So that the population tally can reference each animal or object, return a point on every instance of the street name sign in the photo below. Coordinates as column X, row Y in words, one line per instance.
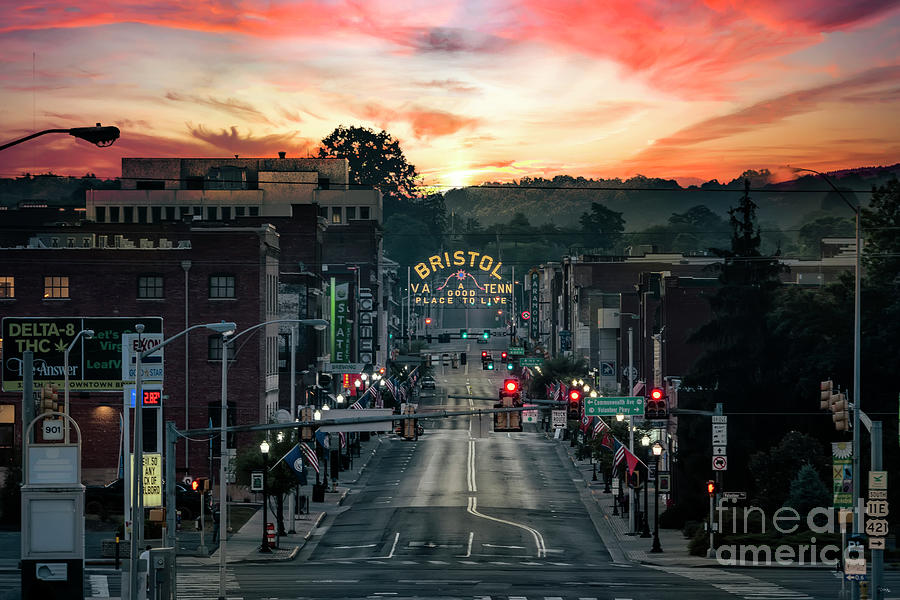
column 606, row 406
column 531, row 362
column 516, row 350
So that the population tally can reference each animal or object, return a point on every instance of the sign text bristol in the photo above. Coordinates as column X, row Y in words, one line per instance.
column 454, row 278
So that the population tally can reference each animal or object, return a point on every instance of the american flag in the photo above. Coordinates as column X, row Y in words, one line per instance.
column 622, row 453
column 618, row 454
column 310, row 455
column 391, row 386
column 356, row 405
column 343, row 437
column 379, row 402
column 599, row 427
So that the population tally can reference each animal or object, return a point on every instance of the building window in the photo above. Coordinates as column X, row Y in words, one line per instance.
column 323, row 212
column 226, row 213
column 214, row 348
column 364, row 212
column 142, row 214
column 336, row 214
column 198, row 210
column 156, row 213
column 100, row 213
column 113, row 214
column 239, row 211
column 150, row 286
column 221, row 286
column 254, row 211
column 70, row 242
column 128, row 214
column 170, row 213
column 56, row 287
column 150, row 185
column 351, row 212
column 324, row 183
column 7, row 287
column 194, row 182
column 211, row 213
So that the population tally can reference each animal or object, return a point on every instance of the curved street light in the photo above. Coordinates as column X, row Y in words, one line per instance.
column 98, row 135
column 88, row 334
column 227, row 341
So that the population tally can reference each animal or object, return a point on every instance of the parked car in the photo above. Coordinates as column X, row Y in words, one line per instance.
column 108, row 499
column 428, row 383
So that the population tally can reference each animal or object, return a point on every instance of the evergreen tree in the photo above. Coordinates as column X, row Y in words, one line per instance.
column 808, row 491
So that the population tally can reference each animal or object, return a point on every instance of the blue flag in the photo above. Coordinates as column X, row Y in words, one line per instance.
column 294, row 460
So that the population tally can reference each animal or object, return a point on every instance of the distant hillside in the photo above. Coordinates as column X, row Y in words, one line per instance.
column 645, row 202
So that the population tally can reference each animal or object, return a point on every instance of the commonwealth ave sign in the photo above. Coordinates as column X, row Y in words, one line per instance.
column 613, row 405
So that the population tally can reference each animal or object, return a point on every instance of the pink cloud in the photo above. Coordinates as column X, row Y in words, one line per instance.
column 687, row 48
column 231, row 141
column 424, row 122
column 231, row 106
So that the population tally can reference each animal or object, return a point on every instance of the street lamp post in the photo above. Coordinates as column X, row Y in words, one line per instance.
column 137, row 487
column 857, row 335
column 657, row 452
column 88, row 334
column 98, row 135
column 264, row 545
column 645, row 526
column 228, row 341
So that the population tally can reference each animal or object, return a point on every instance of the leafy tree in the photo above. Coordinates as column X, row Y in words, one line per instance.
column 561, row 368
column 601, row 227
column 807, row 491
column 375, row 159
column 810, row 235
column 775, row 468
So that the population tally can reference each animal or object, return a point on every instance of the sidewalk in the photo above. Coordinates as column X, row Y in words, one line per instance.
column 243, row 546
column 633, row 547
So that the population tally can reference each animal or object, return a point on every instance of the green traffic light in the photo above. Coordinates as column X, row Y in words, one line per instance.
column 486, row 334
column 463, row 334
column 490, row 366
column 509, row 366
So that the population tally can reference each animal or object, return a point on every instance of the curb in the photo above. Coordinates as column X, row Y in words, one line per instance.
column 315, row 525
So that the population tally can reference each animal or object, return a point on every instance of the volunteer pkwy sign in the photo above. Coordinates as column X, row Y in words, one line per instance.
column 613, row 405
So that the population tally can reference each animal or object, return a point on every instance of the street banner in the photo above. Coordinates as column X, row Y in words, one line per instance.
column 341, row 327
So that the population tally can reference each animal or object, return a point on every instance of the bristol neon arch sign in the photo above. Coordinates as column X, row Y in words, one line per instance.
column 461, row 277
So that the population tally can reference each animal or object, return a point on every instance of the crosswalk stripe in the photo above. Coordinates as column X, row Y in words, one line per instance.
column 738, row 584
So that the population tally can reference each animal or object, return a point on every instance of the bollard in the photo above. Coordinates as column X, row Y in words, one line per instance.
column 117, row 553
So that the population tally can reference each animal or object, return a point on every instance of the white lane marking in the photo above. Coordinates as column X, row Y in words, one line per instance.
column 394, row 547
column 469, row 548
column 470, row 467
column 734, row 583
column 362, row 546
column 329, row 581
column 501, row 546
column 538, row 538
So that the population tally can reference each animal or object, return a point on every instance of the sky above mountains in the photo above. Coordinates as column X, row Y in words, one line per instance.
column 474, row 90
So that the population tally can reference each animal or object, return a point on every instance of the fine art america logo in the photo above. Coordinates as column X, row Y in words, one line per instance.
column 809, row 550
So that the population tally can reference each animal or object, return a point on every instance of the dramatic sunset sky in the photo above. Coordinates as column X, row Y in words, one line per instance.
column 474, row 90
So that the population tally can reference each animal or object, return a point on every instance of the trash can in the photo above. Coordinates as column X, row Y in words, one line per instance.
column 318, row 492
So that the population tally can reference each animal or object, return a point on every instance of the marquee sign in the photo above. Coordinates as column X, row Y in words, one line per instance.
column 460, row 277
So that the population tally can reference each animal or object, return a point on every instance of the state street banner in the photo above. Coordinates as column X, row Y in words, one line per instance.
column 842, row 474
column 340, row 322
column 535, row 324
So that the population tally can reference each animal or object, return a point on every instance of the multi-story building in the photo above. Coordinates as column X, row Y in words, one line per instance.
column 185, row 273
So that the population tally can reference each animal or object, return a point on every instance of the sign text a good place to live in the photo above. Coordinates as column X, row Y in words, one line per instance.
column 604, row 406
column 95, row 364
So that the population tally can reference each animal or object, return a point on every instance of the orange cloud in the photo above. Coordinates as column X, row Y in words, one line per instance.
column 231, row 141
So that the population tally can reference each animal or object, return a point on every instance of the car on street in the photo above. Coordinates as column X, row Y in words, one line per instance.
column 428, row 383
column 108, row 499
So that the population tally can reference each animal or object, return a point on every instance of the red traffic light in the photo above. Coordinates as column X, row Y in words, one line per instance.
column 657, row 394
column 484, row 354
column 511, row 386
column 711, row 487
column 195, row 484
column 574, row 396
column 503, row 355
column 428, row 320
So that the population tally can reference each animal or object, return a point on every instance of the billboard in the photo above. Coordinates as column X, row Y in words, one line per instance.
column 94, row 364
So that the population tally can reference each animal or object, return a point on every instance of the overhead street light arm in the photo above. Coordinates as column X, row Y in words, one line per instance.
column 98, row 135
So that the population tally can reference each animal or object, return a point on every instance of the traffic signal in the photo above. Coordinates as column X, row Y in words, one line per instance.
column 463, row 334
column 195, row 485
column 427, row 361
column 483, row 354
column 200, row 484
column 428, row 320
column 503, row 356
column 490, row 365
column 510, row 387
column 839, row 412
column 825, row 388
column 510, row 366
column 486, row 334
column 428, row 337
column 574, row 404
column 711, row 488
column 49, row 398
column 462, row 358
column 656, row 405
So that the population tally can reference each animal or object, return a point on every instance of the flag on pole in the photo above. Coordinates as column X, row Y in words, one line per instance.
column 294, row 460
column 379, row 401
column 343, row 439
column 622, row 453
column 585, row 421
column 310, row 455
column 607, row 441
column 599, row 427
column 638, row 386
column 323, row 440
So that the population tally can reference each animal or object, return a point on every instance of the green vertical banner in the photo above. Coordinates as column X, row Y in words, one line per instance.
column 535, row 329
column 340, row 322
column 842, row 473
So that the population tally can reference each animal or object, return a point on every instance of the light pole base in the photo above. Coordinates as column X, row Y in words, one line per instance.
column 264, row 549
